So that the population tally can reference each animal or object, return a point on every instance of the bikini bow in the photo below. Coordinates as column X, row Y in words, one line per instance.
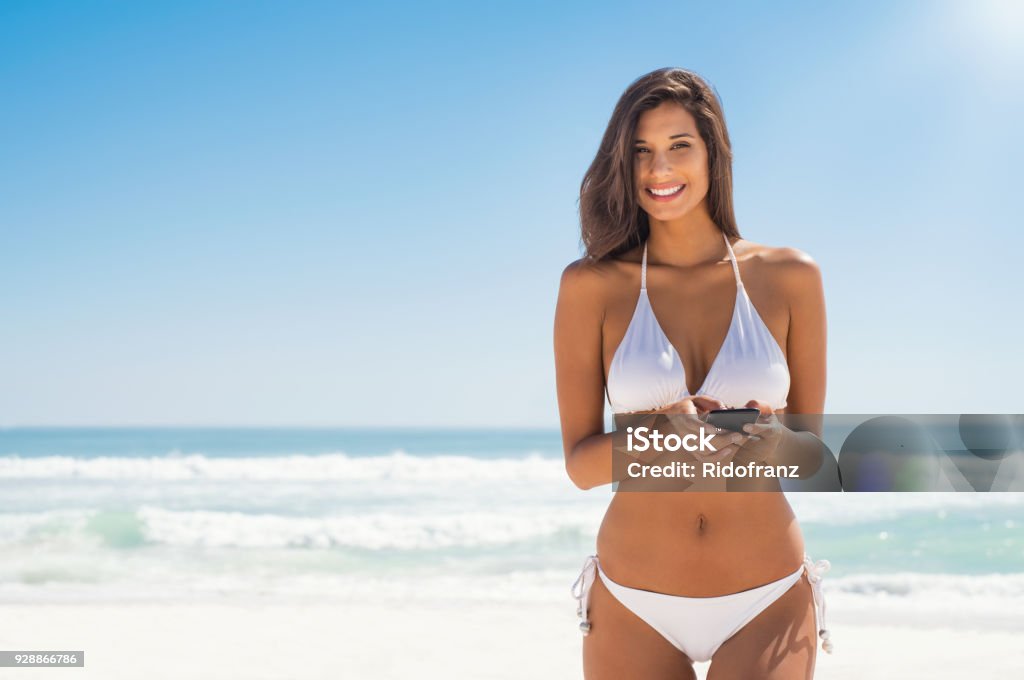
column 815, row 573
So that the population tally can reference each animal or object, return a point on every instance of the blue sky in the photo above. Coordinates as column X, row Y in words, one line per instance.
column 300, row 213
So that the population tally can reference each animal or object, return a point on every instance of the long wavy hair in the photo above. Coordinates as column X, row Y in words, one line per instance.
column 611, row 219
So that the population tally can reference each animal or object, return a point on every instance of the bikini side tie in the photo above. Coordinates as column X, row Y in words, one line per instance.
column 583, row 583
column 815, row 572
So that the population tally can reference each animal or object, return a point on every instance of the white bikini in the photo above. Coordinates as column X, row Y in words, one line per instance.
column 698, row 626
column 646, row 374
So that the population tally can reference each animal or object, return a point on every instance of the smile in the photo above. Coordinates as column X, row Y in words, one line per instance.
column 665, row 194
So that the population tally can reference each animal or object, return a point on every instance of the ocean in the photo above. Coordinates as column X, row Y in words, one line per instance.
column 99, row 514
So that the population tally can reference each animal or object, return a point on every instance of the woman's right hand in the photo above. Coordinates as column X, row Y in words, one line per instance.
column 693, row 409
column 696, row 406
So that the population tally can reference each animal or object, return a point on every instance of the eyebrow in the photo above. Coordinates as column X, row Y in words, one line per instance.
column 684, row 134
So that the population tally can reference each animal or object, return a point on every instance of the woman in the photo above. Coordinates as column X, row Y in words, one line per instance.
column 672, row 312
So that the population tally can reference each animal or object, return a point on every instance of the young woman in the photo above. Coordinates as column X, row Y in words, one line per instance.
column 672, row 312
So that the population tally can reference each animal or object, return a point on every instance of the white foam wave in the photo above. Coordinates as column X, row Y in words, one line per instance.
column 37, row 526
column 370, row 531
column 857, row 508
column 940, row 586
column 398, row 466
column 988, row 600
column 942, row 600
column 375, row 531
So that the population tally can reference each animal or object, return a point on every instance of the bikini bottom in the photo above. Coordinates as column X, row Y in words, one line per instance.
column 697, row 626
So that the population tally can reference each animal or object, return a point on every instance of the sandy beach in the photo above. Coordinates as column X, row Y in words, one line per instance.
column 495, row 642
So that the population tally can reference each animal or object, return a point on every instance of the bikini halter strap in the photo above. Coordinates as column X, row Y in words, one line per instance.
column 643, row 269
column 732, row 258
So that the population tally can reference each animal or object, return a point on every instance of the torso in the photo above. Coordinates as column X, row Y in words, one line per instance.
column 699, row 544
column 696, row 544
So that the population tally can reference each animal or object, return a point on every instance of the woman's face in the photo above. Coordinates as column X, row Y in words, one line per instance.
column 670, row 162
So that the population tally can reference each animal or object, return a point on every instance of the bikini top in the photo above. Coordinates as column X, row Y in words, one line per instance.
column 646, row 372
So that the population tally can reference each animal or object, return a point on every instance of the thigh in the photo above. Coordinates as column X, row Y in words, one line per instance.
column 780, row 643
column 621, row 646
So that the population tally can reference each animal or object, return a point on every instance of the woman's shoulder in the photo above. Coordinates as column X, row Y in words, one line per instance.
column 598, row 278
column 779, row 265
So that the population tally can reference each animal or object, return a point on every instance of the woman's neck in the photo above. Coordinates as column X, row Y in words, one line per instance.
column 687, row 241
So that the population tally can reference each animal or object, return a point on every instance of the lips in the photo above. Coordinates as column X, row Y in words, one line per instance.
column 665, row 193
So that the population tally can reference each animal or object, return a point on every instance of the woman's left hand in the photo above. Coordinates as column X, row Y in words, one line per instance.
column 763, row 438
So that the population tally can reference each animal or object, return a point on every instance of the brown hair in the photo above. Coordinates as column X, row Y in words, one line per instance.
column 611, row 219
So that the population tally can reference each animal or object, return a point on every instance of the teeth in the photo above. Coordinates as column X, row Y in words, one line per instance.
column 666, row 192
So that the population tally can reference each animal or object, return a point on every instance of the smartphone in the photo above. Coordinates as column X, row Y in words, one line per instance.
column 733, row 418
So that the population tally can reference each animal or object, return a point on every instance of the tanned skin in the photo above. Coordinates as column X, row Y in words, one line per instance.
column 692, row 544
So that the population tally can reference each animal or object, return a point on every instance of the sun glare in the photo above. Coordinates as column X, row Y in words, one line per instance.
column 994, row 27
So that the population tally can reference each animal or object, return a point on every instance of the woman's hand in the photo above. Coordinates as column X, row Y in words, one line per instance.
column 764, row 436
column 758, row 442
column 695, row 406
column 693, row 409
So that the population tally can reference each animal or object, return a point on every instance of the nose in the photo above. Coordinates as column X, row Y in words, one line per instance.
column 660, row 165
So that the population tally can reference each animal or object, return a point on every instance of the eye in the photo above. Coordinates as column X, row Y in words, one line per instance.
column 685, row 145
column 640, row 149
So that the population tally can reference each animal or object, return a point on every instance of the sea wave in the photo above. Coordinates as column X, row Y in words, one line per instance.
column 375, row 531
column 932, row 599
column 860, row 508
column 398, row 466
column 954, row 600
column 941, row 586
column 368, row 531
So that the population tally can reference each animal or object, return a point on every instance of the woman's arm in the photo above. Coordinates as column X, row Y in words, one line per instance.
column 805, row 346
column 805, row 354
column 796, row 439
column 579, row 376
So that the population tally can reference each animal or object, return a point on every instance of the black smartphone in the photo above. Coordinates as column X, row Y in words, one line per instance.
column 732, row 418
